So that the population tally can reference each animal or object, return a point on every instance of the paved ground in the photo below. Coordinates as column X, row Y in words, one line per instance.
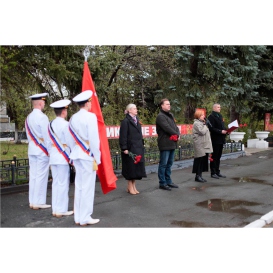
column 196, row 228
column 236, row 201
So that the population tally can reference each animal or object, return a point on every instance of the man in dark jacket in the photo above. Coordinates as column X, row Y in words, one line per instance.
column 218, row 138
column 168, row 134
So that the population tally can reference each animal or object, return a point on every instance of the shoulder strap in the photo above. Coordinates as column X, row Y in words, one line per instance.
column 38, row 142
column 78, row 139
column 57, row 142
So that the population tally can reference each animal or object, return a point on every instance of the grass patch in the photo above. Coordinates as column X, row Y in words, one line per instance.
column 8, row 149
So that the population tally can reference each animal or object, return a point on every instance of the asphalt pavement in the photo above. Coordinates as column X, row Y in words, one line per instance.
column 240, row 200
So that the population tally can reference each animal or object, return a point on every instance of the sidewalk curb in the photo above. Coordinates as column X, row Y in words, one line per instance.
column 19, row 188
column 268, row 218
column 264, row 220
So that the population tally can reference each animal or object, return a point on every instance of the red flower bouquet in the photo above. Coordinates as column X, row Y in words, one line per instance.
column 174, row 137
column 242, row 127
column 135, row 157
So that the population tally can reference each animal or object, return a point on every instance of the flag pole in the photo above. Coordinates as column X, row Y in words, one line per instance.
column 86, row 53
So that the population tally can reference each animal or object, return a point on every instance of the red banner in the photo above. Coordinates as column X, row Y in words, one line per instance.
column 112, row 132
column 105, row 169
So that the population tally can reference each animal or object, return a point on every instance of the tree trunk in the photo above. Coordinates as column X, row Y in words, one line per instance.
column 189, row 113
column 16, row 139
column 233, row 114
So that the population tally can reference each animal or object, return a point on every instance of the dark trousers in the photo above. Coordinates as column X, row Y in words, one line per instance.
column 200, row 164
column 165, row 167
column 216, row 156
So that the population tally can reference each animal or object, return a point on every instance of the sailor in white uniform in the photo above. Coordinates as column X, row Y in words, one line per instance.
column 38, row 142
column 59, row 160
column 85, row 155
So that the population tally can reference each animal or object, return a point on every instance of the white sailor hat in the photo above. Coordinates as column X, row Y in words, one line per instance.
column 83, row 97
column 60, row 104
column 41, row 96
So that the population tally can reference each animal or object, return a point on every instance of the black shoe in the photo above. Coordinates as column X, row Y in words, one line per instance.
column 204, row 179
column 220, row 175
column 215, row 176
column 172, row 185
column 198, row 178
column 165, row 187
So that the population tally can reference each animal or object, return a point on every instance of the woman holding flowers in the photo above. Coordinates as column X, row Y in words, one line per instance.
column 132, row 149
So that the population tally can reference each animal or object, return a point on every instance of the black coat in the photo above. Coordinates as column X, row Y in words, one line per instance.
column 216, row 126
column 131, row 139
column 165, row 127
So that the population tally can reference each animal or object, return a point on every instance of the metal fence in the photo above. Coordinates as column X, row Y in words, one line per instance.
column 16, row 171
column 21, row 135
column 182, row 153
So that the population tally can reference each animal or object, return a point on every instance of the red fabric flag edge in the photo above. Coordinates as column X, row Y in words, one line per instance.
column 105, row 171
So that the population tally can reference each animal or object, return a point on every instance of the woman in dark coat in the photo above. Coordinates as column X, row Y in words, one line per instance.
column 131, row 145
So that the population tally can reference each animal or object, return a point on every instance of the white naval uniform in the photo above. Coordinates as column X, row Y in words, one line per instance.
column 38, row 160
column 86, row 125
column 59, row 167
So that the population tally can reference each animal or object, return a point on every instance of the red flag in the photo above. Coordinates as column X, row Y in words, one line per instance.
column 105, row 170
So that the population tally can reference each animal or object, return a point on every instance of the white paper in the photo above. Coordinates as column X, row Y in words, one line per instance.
column 234, row 124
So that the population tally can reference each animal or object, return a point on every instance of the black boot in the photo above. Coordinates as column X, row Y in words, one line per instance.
column 198, row 178
column 204, row 180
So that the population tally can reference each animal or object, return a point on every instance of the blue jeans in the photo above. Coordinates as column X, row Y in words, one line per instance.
column 164, row 167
